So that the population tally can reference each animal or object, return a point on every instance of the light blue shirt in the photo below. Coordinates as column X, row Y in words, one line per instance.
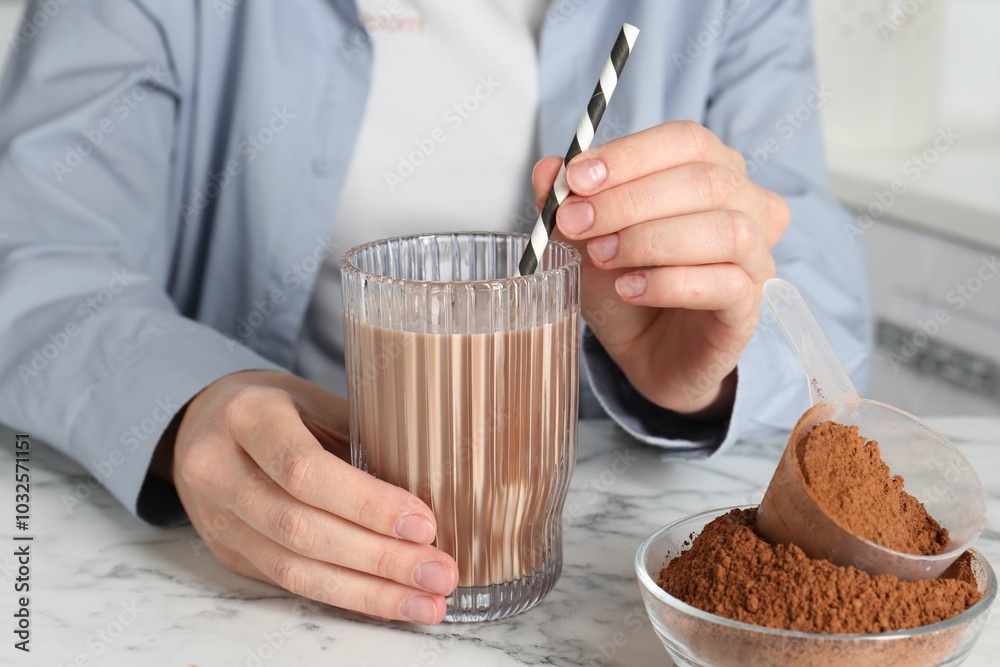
column 168, row 170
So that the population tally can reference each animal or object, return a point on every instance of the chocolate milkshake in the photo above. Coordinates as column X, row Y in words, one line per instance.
column 480, row 427
column 463, row 387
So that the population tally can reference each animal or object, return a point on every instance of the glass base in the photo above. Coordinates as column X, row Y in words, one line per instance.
column 489, row 603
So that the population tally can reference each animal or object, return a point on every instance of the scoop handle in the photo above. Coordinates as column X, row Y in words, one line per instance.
column 828, row 381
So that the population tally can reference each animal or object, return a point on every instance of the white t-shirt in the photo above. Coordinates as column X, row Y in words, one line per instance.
column 447, row 142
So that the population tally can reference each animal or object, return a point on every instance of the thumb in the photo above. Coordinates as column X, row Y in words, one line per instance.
column 543, row 176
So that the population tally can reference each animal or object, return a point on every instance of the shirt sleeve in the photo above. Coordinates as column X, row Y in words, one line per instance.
column 96, row 358
column 765, row 102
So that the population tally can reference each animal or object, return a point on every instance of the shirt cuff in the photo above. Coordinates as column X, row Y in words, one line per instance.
column 683, row 437
column 641, row 418
column 139, row 402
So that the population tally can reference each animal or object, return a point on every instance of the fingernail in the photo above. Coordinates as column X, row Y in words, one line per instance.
column 415, row 528
column 419, row 609
column 603, row 248
column 575, row 217
column 631, row 285
column 435, row 577
column 586, row 175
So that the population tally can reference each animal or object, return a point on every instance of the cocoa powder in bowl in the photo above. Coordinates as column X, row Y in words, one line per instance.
column 701, row 637
column 846, row 476
column 731, row 571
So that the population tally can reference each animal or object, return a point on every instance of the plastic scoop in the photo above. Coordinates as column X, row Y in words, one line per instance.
column 935, row 472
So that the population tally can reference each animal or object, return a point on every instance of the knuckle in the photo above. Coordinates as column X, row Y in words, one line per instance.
column 369, row 509
column 329, row 588
column 679, row 288
column 384, row 564
column 696, row 138
column 629, row 205
column 287, row 574
column 197, row 466
column 738, row 159
column 737, row 285
column 646, row 243
column 711, row 185
column 214, row 527
column 741, row 233
column 245, row 404
column 633, row 154
column 292, row 528
column 295, row 469
column 373, row 601
column 246, row 496
column 735, row 180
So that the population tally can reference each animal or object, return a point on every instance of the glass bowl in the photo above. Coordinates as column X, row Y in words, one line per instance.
column 696, row 638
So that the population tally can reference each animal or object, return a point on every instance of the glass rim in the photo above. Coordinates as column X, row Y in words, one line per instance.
column 349, row 267
column 647, row 583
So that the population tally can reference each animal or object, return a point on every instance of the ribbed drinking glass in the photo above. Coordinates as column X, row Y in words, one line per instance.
column 463, row 389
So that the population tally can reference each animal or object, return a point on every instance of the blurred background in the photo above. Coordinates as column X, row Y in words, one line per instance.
column 912, row 129
column 911, row 111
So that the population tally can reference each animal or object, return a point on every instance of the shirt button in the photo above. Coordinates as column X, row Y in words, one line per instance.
column 322, row 166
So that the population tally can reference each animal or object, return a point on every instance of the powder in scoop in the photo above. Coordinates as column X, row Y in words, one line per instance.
column 731, row 571
column 847, row 477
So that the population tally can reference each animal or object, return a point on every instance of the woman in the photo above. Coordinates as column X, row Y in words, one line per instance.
column 180, row 178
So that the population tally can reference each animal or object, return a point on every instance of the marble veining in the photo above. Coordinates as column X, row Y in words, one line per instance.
column 107, row 590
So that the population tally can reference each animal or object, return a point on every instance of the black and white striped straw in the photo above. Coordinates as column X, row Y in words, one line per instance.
column 584, row 136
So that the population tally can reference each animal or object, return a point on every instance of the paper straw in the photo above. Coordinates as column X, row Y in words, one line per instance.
column 584, row 136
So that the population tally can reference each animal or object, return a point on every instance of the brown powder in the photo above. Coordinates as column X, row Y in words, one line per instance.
column 731, row 571
column 847, row 477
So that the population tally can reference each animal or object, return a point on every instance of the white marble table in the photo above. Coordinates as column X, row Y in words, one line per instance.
column 107, row 590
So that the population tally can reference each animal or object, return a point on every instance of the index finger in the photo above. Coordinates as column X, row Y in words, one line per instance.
column 656, row 149
column 267, row 425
